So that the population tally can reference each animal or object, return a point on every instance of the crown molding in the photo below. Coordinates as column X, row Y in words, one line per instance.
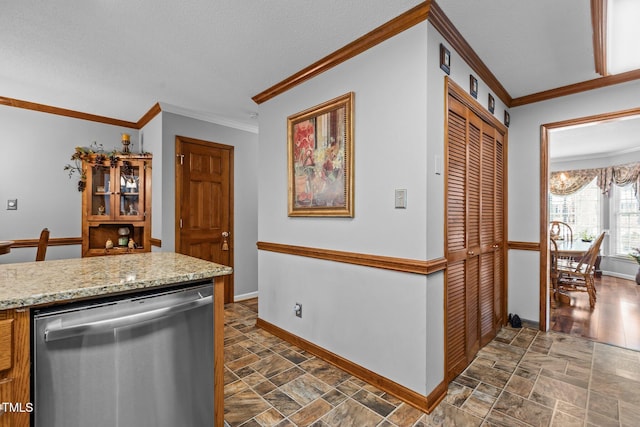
column 17, row 103
column 445, row 27
column 397, row 25
column 153, row 111
column 207, row 117
column 144, row 120
column 553, row 161
column 588, row 85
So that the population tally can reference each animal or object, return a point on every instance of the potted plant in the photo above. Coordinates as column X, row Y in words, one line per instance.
column 95, row 154
column 585, row 236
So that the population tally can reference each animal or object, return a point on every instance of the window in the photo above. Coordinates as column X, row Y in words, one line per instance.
column 581, row 210
column 625, row 217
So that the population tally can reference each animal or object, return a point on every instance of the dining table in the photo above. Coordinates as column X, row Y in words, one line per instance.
column 5, row 246
column 576, row 249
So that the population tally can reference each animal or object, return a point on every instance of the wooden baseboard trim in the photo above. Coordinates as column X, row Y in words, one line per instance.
column 417, row 400
column 156, row 242
column 377, row 261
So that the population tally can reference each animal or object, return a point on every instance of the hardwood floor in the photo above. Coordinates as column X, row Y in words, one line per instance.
column 615, row 319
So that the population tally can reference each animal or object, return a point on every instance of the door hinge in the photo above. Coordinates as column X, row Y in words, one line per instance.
column 180, row 222
column 181, row 158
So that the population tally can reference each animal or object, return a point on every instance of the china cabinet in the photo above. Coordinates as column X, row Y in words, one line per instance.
column 116, row 205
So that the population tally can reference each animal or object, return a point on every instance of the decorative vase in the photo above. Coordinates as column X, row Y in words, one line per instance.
column 638, row 276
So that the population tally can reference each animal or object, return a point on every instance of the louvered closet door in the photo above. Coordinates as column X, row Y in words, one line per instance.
column 498, row 285
column 487, row 235
column 456, row 250
column 474, row 237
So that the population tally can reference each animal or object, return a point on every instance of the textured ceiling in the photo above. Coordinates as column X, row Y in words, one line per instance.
column 530, row 46
column 615, row 137
column 118, row 58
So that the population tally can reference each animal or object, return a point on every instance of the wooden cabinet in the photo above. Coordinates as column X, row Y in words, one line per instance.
column 475, row 238
column 15, row 368
column 117, row 199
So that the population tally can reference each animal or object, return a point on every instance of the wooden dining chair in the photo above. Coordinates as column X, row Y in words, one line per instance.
column 578, row 276
column 42, row 244
column 559, row 230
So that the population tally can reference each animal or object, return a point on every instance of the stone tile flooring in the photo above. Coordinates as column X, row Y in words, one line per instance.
column 522, row 378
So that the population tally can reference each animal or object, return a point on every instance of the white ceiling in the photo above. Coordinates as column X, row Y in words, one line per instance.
column 117, row 58
column 530, row 46
column 614, row 137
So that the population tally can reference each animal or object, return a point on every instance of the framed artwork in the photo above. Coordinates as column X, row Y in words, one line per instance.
column 320, row 159
column 492, row 104
column 473, row 86
column 445, row 59
column 507, row 118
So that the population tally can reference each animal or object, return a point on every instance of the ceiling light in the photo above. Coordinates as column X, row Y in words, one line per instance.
column 623, row 33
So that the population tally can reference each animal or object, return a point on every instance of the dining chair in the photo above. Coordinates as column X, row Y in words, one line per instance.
column 42, row 244
column 559, row 230
column 578, row 276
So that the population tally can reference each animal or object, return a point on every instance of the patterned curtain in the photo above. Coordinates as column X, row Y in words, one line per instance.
column 568, row 182
column 628, row 174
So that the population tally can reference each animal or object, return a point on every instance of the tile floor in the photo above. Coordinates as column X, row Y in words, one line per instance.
column 522, row 378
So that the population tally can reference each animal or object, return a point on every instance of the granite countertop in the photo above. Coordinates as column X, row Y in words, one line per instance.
column 38, row 283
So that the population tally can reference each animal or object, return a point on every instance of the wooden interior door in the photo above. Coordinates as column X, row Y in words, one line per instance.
column 474, row 235
column 204, row 203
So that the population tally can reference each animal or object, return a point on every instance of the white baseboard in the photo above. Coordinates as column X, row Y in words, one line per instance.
column 618, row 275
column 243, row 297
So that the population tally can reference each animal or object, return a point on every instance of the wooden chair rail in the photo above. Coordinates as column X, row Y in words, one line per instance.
column 63, row 241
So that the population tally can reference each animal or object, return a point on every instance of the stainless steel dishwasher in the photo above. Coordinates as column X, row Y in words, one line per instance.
column 134, row 361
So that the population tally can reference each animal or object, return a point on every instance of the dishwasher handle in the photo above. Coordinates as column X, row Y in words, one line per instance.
column 99, row 326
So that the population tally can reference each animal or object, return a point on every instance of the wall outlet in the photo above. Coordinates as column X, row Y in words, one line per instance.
column 298, row 309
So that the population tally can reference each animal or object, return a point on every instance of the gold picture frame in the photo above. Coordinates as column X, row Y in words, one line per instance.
column 320, row 159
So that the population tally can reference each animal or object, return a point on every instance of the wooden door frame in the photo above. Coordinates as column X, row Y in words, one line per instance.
column 544, row 193
column 230, row 291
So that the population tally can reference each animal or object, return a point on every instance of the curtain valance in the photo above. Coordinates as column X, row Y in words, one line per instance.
column 563, row 183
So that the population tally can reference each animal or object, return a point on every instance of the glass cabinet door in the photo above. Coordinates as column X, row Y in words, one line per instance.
column 130, row 203
column 100, row 187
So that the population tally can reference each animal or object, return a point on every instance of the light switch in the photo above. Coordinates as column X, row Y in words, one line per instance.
column 401, row 199
column 12, row 204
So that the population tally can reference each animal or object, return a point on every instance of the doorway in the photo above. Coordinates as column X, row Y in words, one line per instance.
column 545, row 141
column 204, row 203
